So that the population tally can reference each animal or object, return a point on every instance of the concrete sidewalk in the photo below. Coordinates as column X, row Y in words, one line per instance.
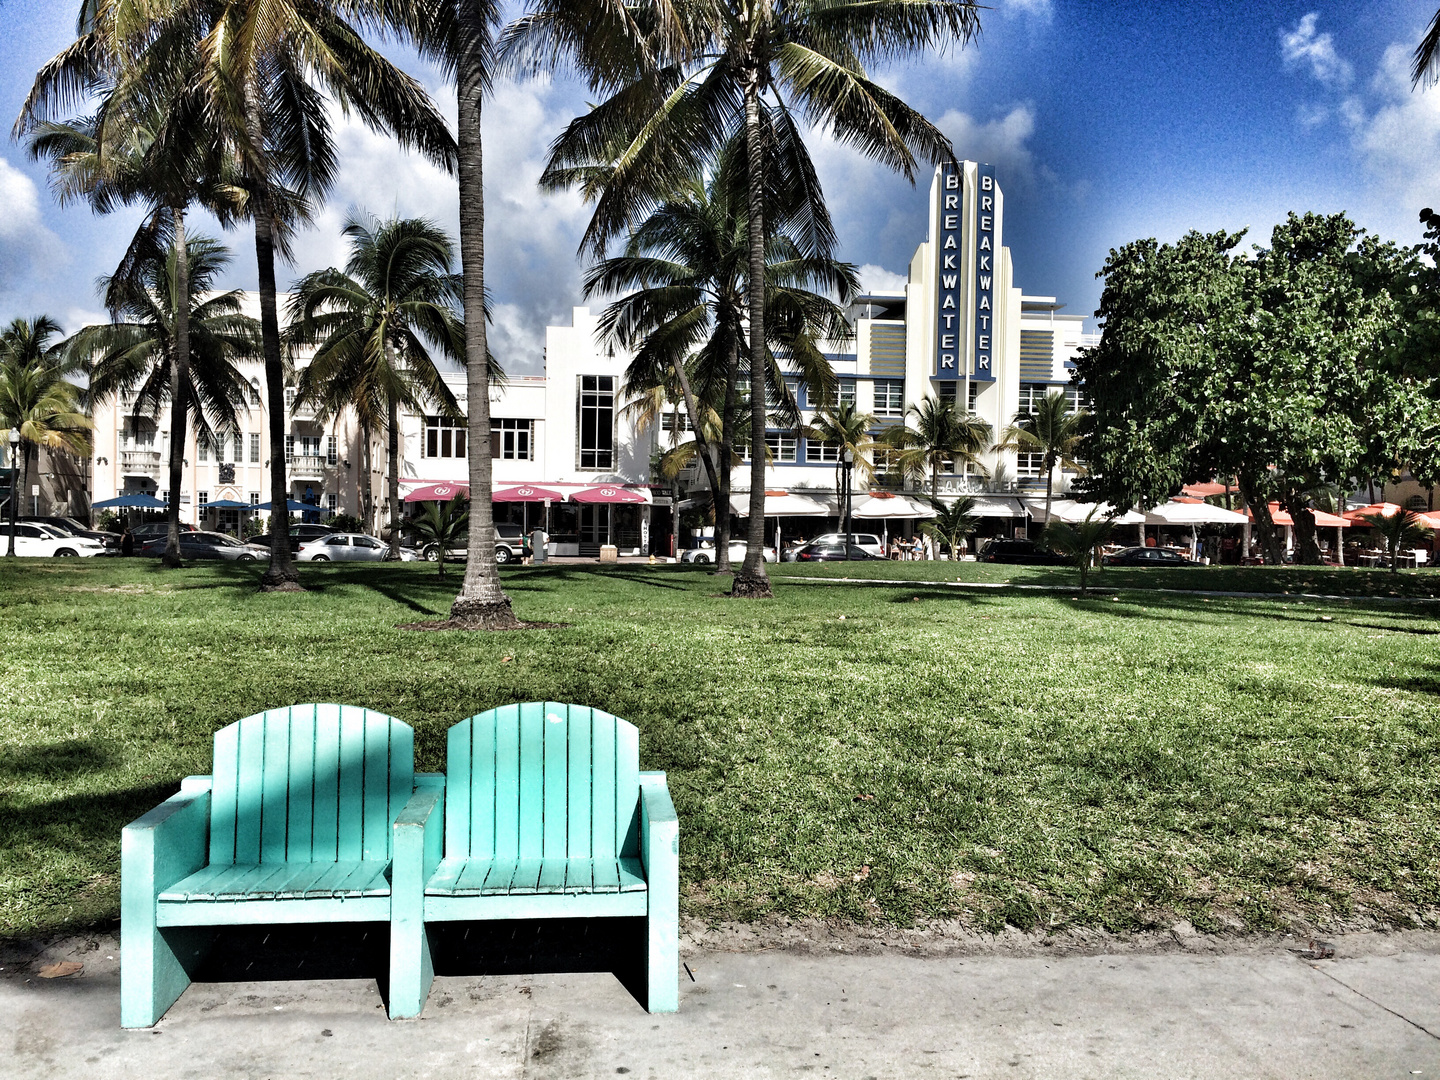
column 1267, row 1013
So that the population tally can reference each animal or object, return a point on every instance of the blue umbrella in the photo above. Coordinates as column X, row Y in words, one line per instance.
column 229, row 504
column 137, row 500
column 290, row 505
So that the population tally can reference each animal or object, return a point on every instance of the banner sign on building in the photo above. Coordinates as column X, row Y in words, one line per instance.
column 985, row 216
column 948, row 310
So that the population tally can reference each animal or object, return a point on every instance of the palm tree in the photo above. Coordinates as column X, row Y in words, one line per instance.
column 943, row 437
column 953, row 524
column 264, row 77
column 686, row 266
column 685, row 76
column 1397, row 530
column 1081, row 541
column 139, row 353
column 1425, row 64
column 1053, row 431
column 374, row 325
column 37, row 397
column 846, row 427
column 441, row 524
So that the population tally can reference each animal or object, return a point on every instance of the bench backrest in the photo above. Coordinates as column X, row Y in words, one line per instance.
column 311, row 783
column 542, row 780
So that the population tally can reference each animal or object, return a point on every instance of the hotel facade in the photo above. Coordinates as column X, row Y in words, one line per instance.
column 961, row 330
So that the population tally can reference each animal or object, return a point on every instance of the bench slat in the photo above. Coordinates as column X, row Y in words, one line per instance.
column 578, row 843
column 281, row 881
column 524, row 877
column 507, row 782
column 325, row 819
column 532, row 780
column 632, row 875
column 299, row 831
column 555, row 781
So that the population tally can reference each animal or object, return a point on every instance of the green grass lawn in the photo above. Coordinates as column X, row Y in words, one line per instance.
column 873, row 753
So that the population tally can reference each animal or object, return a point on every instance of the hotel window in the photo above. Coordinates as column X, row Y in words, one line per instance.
column 948, row 392
column 1075, row 398
column 165, row 495
column 289, row 399
column 238, row 443
column 330, row 449
column 254, row 391
column 332, row 501
column 827, row 453
column 510, row 439
column 1031, row 394
column 971, row 395
column 254, row 448
column 772, row 393
column 289, row 448
column 597, row 422
column 675, row 421
column 782, row 447
column 889, row 397
column 202, row 499
column 445, row 437
column 844, row 391
column 254, row 498
column 1030, row 466
column 202, row 446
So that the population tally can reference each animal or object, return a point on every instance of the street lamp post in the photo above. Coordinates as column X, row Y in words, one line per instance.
column 14, row 487
column 848, row 459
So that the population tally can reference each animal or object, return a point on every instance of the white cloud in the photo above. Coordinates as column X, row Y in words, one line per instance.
column 1001, row 142
column 874, row 277
column 1399, row 143
column 28, row 250
column 1303, row 47
column 1036, row 8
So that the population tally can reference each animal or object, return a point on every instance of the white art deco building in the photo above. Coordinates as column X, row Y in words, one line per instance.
column 960, row 330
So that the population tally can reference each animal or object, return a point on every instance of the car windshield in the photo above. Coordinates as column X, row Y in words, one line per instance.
column 50, row 530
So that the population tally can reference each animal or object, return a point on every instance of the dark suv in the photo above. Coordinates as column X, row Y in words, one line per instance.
column 1020, row 551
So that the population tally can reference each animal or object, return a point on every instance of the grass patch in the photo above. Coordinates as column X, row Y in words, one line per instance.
column 1021, row 758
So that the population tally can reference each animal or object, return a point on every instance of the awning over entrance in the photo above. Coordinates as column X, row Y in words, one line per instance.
column 136, row 501
column 607, row 493
column 438, row 493
column 996, row 506
column 787, row 504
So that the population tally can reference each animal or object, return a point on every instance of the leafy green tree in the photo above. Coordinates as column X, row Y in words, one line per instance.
column 943, row 437
column 374, row 326
column 1079, row 541
column 1399, row 529
column 953, row 524
column 140, row 352
column 37, row 397
column 684, row 77
column 1053, row 431
column 442, row 524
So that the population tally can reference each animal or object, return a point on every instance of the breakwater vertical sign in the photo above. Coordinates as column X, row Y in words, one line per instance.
column 985, row 215
column 949, row 307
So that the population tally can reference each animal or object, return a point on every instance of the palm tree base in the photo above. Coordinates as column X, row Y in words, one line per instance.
column 170, row 562
column 280, row 581
column 467, row 614
column 751, row 587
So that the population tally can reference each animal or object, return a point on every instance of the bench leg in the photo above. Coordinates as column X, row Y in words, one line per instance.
column 155, row 968
column 412, row 969
column 662, row 980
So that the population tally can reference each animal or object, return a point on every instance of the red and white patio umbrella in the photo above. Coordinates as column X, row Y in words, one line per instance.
column 609, row 493
column 438, row 493
column 527, row 493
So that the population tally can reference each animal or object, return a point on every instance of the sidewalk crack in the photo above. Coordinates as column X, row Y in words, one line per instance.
column 1377, row 1004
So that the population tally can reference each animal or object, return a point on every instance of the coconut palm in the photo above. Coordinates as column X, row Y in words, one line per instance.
column 846, row 427
column 1425, row 63
column 943, row 437
column 1080, row 541
column 1053, row 431
column 441, row 524
column 138, row 353
column 952, row 525
column 265, row 77
column 38, row 399
column 1398, row 529
column 686, row 267
column 375, row 326
column 685, row 76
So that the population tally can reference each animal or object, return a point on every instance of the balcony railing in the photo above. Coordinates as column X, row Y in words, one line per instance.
column 306, row 465
column 140, row 462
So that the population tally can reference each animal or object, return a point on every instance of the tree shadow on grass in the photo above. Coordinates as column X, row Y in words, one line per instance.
column 55, row 760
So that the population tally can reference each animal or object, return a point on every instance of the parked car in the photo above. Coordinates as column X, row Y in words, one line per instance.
column 831, row 551
column 1146, row 556
column 205, row 545
column 344, row 547
column 870, row 542
column 300, row 535
column 707, row 554
column 75, row 528
column 36, row 540
column 1020, row 551
column 509, row 541
column 151, row 529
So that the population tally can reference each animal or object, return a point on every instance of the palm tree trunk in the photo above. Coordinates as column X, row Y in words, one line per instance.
column 367, row 490
column 24, row 492
column 392, row 458
column 280, row 575
column 1049, row 489
column 702, row 448
column 727, row 440
column 179, row 381
column 752, row 581
column 481, row 603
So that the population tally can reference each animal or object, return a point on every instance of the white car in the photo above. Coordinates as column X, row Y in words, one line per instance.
column 707, row 554
column 45, row 541
column 344, row 547
column 869, row 542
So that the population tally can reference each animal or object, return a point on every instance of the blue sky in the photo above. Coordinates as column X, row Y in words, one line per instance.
column 1107, row 121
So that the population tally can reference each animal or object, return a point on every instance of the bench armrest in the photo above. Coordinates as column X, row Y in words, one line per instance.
column 419, row 837
column 659, row 834
column 164, row 846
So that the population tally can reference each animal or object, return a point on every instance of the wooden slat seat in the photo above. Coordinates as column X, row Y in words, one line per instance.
column 283, row 881
column 515, row 877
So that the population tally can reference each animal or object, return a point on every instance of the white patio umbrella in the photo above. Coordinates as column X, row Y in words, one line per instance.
column 1193, row 514
column 780, row 504
column 882, row 507
column 1072, row 511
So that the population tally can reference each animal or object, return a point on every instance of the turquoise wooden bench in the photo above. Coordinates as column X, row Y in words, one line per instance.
column 546, row 815
column 294, row 826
